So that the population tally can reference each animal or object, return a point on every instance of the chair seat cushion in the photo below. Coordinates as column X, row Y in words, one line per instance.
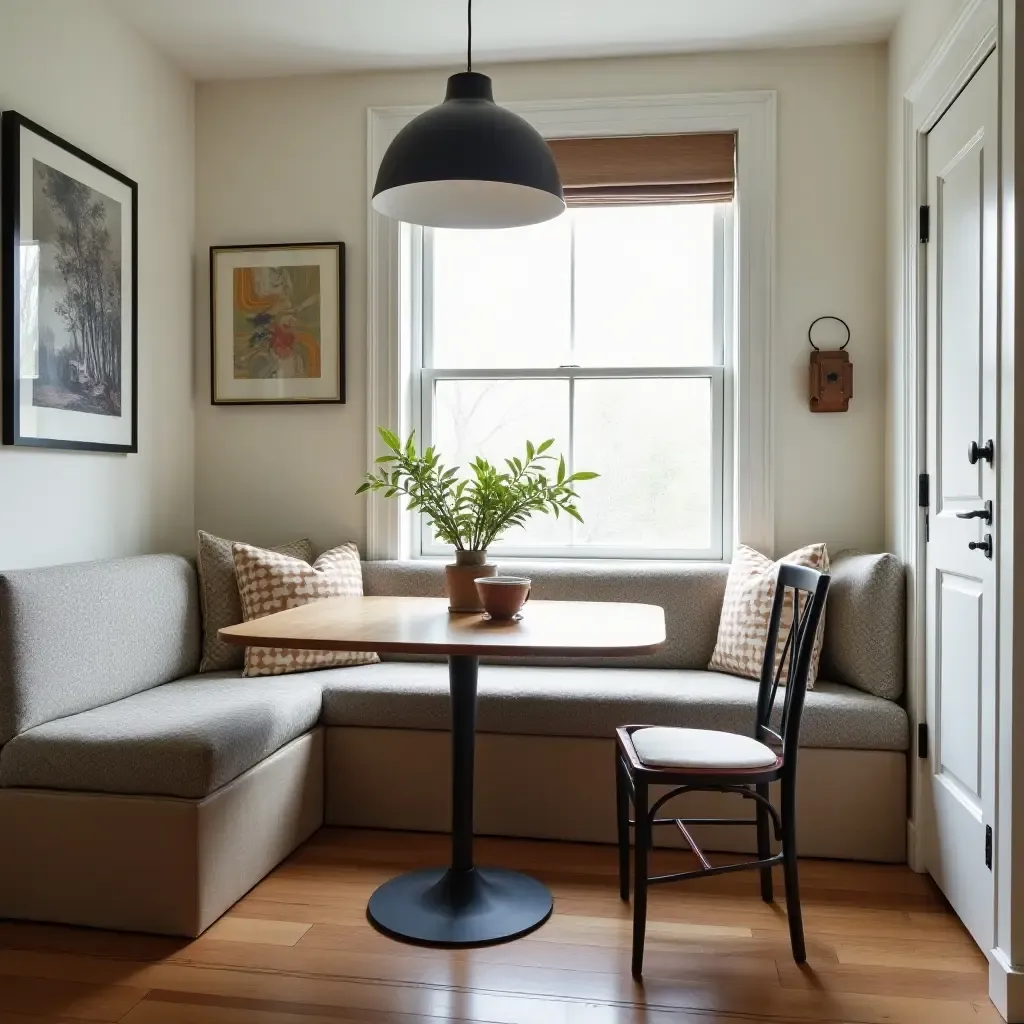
column 183, row 739
column 569, row 701
column 700, row 748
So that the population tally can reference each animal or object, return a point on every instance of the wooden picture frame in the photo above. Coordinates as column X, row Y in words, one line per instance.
column 69, row 295
column 277, row 324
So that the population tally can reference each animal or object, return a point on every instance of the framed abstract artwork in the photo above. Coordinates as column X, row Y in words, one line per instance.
column 277, row 324
column 69, row 237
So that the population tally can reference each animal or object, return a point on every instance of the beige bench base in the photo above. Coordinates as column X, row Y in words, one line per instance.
column 851, row 803
column 156, row 864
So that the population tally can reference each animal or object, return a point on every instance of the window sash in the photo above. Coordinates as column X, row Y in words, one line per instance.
column 430, row 547
column 417, row 313
column 421, row 264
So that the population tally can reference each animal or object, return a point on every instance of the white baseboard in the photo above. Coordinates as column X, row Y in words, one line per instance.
column 915, row 855
column 1006, row 987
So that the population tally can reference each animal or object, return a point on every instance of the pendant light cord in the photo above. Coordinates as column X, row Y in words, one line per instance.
column 469, row 35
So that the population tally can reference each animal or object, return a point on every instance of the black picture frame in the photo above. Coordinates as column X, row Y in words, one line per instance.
column 217, row 251
column 12, row 127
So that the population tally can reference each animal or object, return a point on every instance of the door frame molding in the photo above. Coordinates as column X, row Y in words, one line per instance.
column 969, row 42
column 1006, row 960
column 984, row 26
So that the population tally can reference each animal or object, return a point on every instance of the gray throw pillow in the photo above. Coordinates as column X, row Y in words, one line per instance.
column 219, row 599
column 865, row 629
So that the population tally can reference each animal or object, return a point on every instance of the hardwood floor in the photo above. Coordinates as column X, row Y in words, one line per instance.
column 883, row 948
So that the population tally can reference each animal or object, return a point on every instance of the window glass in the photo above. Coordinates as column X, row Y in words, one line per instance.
column 651, row 441
column 645, row 285
column 502, row 298
column 494, row 419
column 601, row 329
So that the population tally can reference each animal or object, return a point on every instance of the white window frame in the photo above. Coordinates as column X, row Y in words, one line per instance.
column 393, row 399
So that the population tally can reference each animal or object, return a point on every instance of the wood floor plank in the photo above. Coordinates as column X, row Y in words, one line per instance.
column 919, row 961
column 883, row 949
column 463, row 992
column 63, row 939
column 601, row 942
column 666, row 903
column 523, row 969
column 257, row 930
column 577, row 862
column 297, row 884
column 895, row 981
column 32, row 1018
column 158, row 1010
column 192, row 1009
column 359, row 847
column 61, row 999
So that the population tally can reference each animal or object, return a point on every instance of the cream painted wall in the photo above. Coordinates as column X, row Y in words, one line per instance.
column 74, row 68
column 285, row 160
column 923, row 25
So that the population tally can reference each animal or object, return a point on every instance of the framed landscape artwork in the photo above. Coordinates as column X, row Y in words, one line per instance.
column 68, row 228
column 277, row 323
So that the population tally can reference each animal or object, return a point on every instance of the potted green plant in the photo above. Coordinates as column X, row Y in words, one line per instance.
column 471, row 511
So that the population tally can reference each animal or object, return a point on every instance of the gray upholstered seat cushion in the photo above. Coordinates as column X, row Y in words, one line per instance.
column 183, row 739
column 75, row 637
column 566, row 701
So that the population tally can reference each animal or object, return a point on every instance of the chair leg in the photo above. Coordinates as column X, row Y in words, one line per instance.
column 642, row 846
column 764, row 844
column 622, row 817
column 796, row 924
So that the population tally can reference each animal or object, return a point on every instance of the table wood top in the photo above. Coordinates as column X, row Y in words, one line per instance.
column 423, row 625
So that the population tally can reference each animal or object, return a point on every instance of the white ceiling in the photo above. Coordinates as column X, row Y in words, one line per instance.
column 258, row 38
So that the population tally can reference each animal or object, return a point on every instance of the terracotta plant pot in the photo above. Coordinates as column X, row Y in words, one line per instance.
column 460, row 578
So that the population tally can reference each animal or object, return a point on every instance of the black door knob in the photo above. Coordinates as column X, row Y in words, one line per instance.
column 982, row 545
column 974, row 453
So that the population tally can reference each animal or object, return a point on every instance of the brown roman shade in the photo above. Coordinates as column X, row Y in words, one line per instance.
column 699, row 168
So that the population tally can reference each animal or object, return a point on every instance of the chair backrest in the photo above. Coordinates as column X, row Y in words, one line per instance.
column 807, row 590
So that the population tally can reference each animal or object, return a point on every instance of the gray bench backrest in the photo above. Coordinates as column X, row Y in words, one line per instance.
column 864, row 621
column 690, row 594
column 75, row 637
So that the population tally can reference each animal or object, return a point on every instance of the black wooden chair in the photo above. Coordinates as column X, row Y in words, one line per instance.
column 694, row 760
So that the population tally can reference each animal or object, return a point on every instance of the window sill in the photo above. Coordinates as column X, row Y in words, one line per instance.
column 520, row 561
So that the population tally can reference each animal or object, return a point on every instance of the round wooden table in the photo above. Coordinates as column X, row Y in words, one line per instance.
column 461, row 904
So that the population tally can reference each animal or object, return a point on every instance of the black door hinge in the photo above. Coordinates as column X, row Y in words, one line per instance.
column 925, row 222
column 922, row 739
column 924, row 500
column 988, row 847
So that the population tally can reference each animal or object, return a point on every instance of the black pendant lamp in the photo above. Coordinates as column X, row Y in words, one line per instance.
column 469, row 163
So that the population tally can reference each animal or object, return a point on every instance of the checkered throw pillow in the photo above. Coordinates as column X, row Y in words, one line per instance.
column 747, row 609
column 269, row 581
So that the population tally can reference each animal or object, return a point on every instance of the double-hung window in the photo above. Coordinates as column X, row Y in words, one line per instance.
column 608, row 330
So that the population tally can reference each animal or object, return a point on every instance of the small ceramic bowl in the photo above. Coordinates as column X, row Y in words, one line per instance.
column 503, row 597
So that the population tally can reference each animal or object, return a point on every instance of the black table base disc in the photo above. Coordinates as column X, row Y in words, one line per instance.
column 440, row 907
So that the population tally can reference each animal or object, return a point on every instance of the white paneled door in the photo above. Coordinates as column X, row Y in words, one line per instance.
column 962, row 162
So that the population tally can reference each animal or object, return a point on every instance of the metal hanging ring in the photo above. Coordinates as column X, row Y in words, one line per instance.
column 842, row 348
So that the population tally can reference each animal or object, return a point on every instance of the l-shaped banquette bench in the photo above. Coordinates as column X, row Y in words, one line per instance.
column 139, row 794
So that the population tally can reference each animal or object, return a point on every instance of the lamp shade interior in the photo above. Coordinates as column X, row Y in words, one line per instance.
column 466, row 203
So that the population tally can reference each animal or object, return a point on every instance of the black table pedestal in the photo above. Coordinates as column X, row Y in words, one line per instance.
column 461, row 905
